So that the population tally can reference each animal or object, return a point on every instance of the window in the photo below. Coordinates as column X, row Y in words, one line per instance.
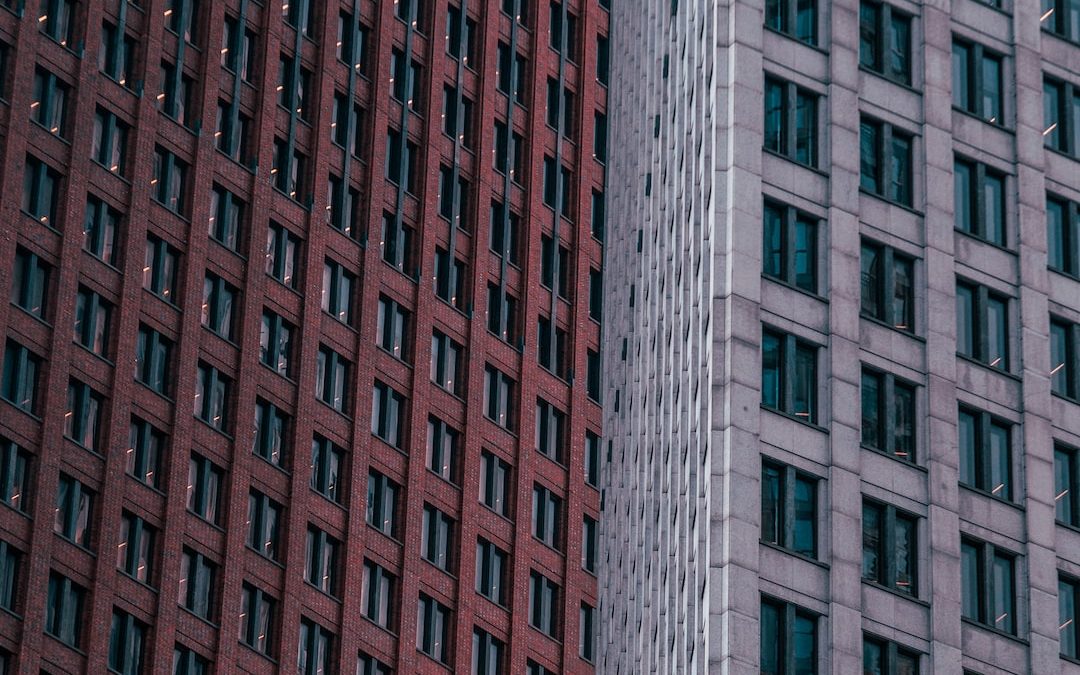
column 491, row 566
column 182, row 18
column 376, row 601
column 564, row 38
column 347, row 124
column 187, row 662
column 134, row 553
column 977, row 82
column 592, row 459
column 331, row 379
column 885, row 41
column 205, row 480
column 789, row 508
column 788, row 639
column 980, row 201
column 144, row 452
column 790, row 246
column 592, row 374
column 272, row 428
column 232, row 131
column 402, row 156
column 494, row 483
column 407, row 76
column 510, row 73
column 92, row 321
column 352, row 42
column 327, row 465
column 446, row 362
column 21, row 370
column 589, row 541
column 396, row 244
column 369, row 665
column 789, row 375
column 543, row 604
column 881, row 657
column 82, row 420
column 450, row 281
column 534, row 668
column 382, row 501
column 393, row 327
column 982, row 325
column 160, row 269
column 257, row 619
column 290, row 171
column 413, row 12
column 791, row 121
column 238, row 48
column 1069, row 616
column 552, row 349
column 985, row 453
column 885, row 163
column 443, row 449
column 1065, row 358
column 795, row 18
column 275, row 343
column 547, row 516
column 555, row 269
column 64, row 610
column 887, row 286
column 558, row 187
column 460, row 35
column 30, row 283
column 100, row 230
column 487, row 653
column 436, row 540
column 1061, row 107
column 1062, row 17
column 498, row 397
column 153, row 360
column 1063, row 233
column 600, row 136
column 126, row 643
column 596, row 295
column 321, row 558
column 890, row 549
column 174, row 97
column 263, row 516
column 458, row 116
column 198, row 584
column 74, row 509
column 587, row 633
column 502, row 313
column 49, row 105
column 598, row 215
column 41, row 191
column 560, row 109
column 300, row 14
column 110, row 142
column 219, row 296
column 10, row 562
column 388, row 414
column 282, row 254
column 226, row 216
column 314, row 653
column 212, row 397
column 433, row 628
column 454, row 197
column 988, row 585
column 888, row 414
column 342, row 206
column 14, row 475
column 170, row 181
column 294, row 86
column 550, row 431
column 116, row 56
column 505, row 240
column 1067, row 484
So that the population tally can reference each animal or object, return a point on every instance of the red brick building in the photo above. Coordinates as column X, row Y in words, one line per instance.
column 300, row 363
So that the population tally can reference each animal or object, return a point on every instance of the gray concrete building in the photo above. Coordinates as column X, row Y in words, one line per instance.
column 842, row 329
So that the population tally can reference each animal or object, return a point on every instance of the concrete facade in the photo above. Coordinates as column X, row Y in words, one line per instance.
column 685, row 568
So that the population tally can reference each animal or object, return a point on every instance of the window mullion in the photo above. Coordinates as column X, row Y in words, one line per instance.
column 787, row 245
column 886, row 164
column 788, row 505
column 788, row 374
column 886, row 38
column 988, row 584
column 979, row 225
column 791, row 97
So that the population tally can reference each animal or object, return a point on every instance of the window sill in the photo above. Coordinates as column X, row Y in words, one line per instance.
column 553, row 460
column 1064, row 273
column 387, row 535
column 432, row 659
column 116, row 174
column 503, row 516
column 82, row 548
column 979, row 118
column 987, row 366
column 790, row 36
column 1063, row 397
column 382, row 349
column 442, row 570
column 1066, row 155
column 893, row 457
column 329, row 499
column 161, row 297
column 270, row 463
column 900, row 594
column 336, row 410
column 795, row 554
column 549, row 636
column 999, row 10
column 1071, row 659
column 910, row 209
column 989, row 495
column 322, row 592
column 441, row 478
column 547, row 545
column 891, row 80
column 219, row 336
column 68, row 645
column 15, row 405
column 153, row 488
column 1074, row 41
column 143, row 584
column 286, row 286
column 201, row 619
column 983, row 240
column 793, row 287
column 378, row 625
column 885, row 324
column 212, row 524
column 1068, row 526
column 216, row 430
column 787, row 158
column 33, row 316
column 995, row 631
column 796, row 418
column 266, row 656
